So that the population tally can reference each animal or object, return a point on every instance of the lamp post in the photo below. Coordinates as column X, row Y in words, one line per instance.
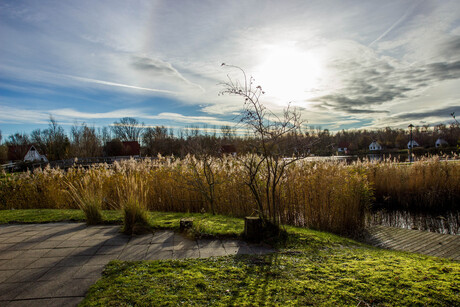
column 411, row 143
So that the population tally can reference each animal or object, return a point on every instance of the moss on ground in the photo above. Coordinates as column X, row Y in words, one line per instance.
column 342, row 275
column 310, row 268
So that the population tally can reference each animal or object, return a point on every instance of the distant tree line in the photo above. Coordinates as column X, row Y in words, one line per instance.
column 86, row 141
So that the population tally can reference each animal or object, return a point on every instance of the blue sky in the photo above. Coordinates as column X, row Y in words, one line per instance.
column 345, row 64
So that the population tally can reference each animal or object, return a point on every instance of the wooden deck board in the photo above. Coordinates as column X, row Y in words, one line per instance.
column 416, row 241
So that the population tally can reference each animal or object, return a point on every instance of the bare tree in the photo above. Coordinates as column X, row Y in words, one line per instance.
column 227, row 132
column 127, row 129
column 18, row 139
column 3, row 150
column 57, row 142
column 272, row 150
column 85, row 141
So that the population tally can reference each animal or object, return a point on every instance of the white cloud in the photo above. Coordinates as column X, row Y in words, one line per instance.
column 209, row 120
column 372, row 59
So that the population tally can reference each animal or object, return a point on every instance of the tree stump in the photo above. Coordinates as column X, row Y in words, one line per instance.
column 253, row 228
column 185, row 224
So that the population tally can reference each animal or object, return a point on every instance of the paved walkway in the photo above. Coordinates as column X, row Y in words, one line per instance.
column 415, row 241
column 55, row 264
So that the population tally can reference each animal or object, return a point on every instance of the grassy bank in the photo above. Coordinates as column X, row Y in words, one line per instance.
column 311, row 268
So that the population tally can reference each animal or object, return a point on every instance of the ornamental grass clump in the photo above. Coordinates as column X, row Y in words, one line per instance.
column 88, row 195
column 132, row 196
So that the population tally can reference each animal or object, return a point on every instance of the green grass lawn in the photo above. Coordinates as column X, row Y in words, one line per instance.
column 204, row 224
column 310, row 268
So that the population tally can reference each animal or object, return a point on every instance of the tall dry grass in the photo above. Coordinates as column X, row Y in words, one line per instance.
column 88, row 195
column 430, row 185
column 322, row 195
column 132, row 197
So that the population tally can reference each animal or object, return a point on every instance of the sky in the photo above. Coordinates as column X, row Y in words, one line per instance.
column 344, row 64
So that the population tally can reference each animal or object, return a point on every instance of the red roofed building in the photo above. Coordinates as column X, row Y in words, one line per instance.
column 131, row 148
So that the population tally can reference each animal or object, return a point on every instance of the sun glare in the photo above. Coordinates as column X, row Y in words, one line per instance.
column 289, row 74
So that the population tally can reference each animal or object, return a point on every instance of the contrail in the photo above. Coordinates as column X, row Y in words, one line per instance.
column 394, row 25
column 120, row 85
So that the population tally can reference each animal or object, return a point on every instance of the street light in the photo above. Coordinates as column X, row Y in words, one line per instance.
column 411, row 143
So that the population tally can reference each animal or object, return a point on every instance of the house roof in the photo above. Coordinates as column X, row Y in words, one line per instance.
column 228, row 148
column 344, row 144
column 131, row 148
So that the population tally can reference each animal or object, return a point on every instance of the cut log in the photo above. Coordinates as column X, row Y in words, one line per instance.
column 185, row 224
column 253, row 228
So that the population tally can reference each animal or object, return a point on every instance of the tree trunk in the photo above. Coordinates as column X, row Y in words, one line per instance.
column 185, row 224
column 253, row 228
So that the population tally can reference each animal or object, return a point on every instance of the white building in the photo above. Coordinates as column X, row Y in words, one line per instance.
column 375, row 146
column 414, row 144
column 34, row 155
column 440, row 142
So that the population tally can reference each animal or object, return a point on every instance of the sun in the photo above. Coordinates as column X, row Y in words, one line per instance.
column 287, row 73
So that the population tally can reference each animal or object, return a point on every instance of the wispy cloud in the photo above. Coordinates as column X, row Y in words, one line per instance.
column 164, row 58
column 74, row 114
column 396, row 23
column 120, row 85
column 190, row 119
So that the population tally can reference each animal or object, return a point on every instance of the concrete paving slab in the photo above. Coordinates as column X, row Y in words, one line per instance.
column 34, row 253
column 48, row 302
column 118, row 240
column 159, row 255
column 54, row 264
column 24, row 245
column 134, row 252
column 89, row 271
column 212, row 252
column 184, row 244
column 14, row 239
column 163, row 236
column 5, row 275
column 100, row 259
column 59, row 274
column 44, row 262
column 5, row 246
column 157, row 247
column 47, row 244
column 85, row 250
column 9, row 291
column 25, row 275
column 74, row 261
column 59, row 252
column 110, row 250
column 16, row 264
column 186, row 254
column 70, row 243
column 140, row 239
column 210, row 243
column 9, row 254
column 56, row 289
